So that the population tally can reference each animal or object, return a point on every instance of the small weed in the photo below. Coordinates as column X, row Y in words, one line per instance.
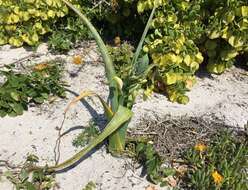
column 87, row 135
column 24, row 180
column 145, row 153
column 221, row 165
column 20, row 89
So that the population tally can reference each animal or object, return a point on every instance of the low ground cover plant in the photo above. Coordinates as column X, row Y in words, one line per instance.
column 19, row 90
column 221, row 164
column 40, row 180
column 87, row 135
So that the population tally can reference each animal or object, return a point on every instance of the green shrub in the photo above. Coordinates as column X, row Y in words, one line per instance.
column 227, row 30
column 26, row 21
column 66, row 34
column 20, row 89
column 87, row 135
column 186, row 33
column 122, row 55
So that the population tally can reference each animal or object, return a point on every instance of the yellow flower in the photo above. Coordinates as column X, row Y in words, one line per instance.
column 200, row 147
column 217, row 177
column 40, row 66
column 77, row 59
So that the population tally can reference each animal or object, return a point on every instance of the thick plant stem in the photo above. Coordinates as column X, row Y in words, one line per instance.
column 117, row 141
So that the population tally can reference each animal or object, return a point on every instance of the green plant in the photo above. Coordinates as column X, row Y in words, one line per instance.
column 21, row 89
column 186, row 33
column 90, row 186
column 87, row 135
column 26, row 21
column 39, row 180
column 146, row 154
column 227, row 30
column 122, row 96
column 122, row 56
column 172, row 46
column 220, row 165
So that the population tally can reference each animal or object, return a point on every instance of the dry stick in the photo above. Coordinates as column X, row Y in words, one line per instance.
column 8, row 165
column 58, row 143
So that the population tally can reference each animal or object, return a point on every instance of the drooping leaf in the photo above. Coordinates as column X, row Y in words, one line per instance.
column 120, row 117
column 107, row 109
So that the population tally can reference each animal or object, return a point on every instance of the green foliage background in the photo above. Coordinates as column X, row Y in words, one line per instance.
column 184, row 34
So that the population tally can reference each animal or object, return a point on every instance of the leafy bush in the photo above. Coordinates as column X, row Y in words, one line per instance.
column 21, row 89
column 173, row 51
column 227, row 31
column 66, row 34
column 185, row 33
column 26, row 21
column 22, row 180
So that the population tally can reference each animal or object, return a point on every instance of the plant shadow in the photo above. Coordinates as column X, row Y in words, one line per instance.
column 98, row 119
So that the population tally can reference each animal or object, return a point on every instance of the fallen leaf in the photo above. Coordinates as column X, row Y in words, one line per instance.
column 171, row 181
column 150, row 187
column 181, row 170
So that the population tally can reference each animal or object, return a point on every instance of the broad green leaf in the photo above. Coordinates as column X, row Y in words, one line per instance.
column 171, row 78
column 23, row 175
column 15, row 96
column 3, row 113
column 18, row 108
column 244, row 11
column 12, row 114
column 30, row 186
column 39, row 100
column 44, row 95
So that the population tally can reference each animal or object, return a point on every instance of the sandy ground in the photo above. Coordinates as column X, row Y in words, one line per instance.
column 36, row 131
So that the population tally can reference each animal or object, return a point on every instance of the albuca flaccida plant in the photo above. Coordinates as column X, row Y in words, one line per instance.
column 122, row 93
